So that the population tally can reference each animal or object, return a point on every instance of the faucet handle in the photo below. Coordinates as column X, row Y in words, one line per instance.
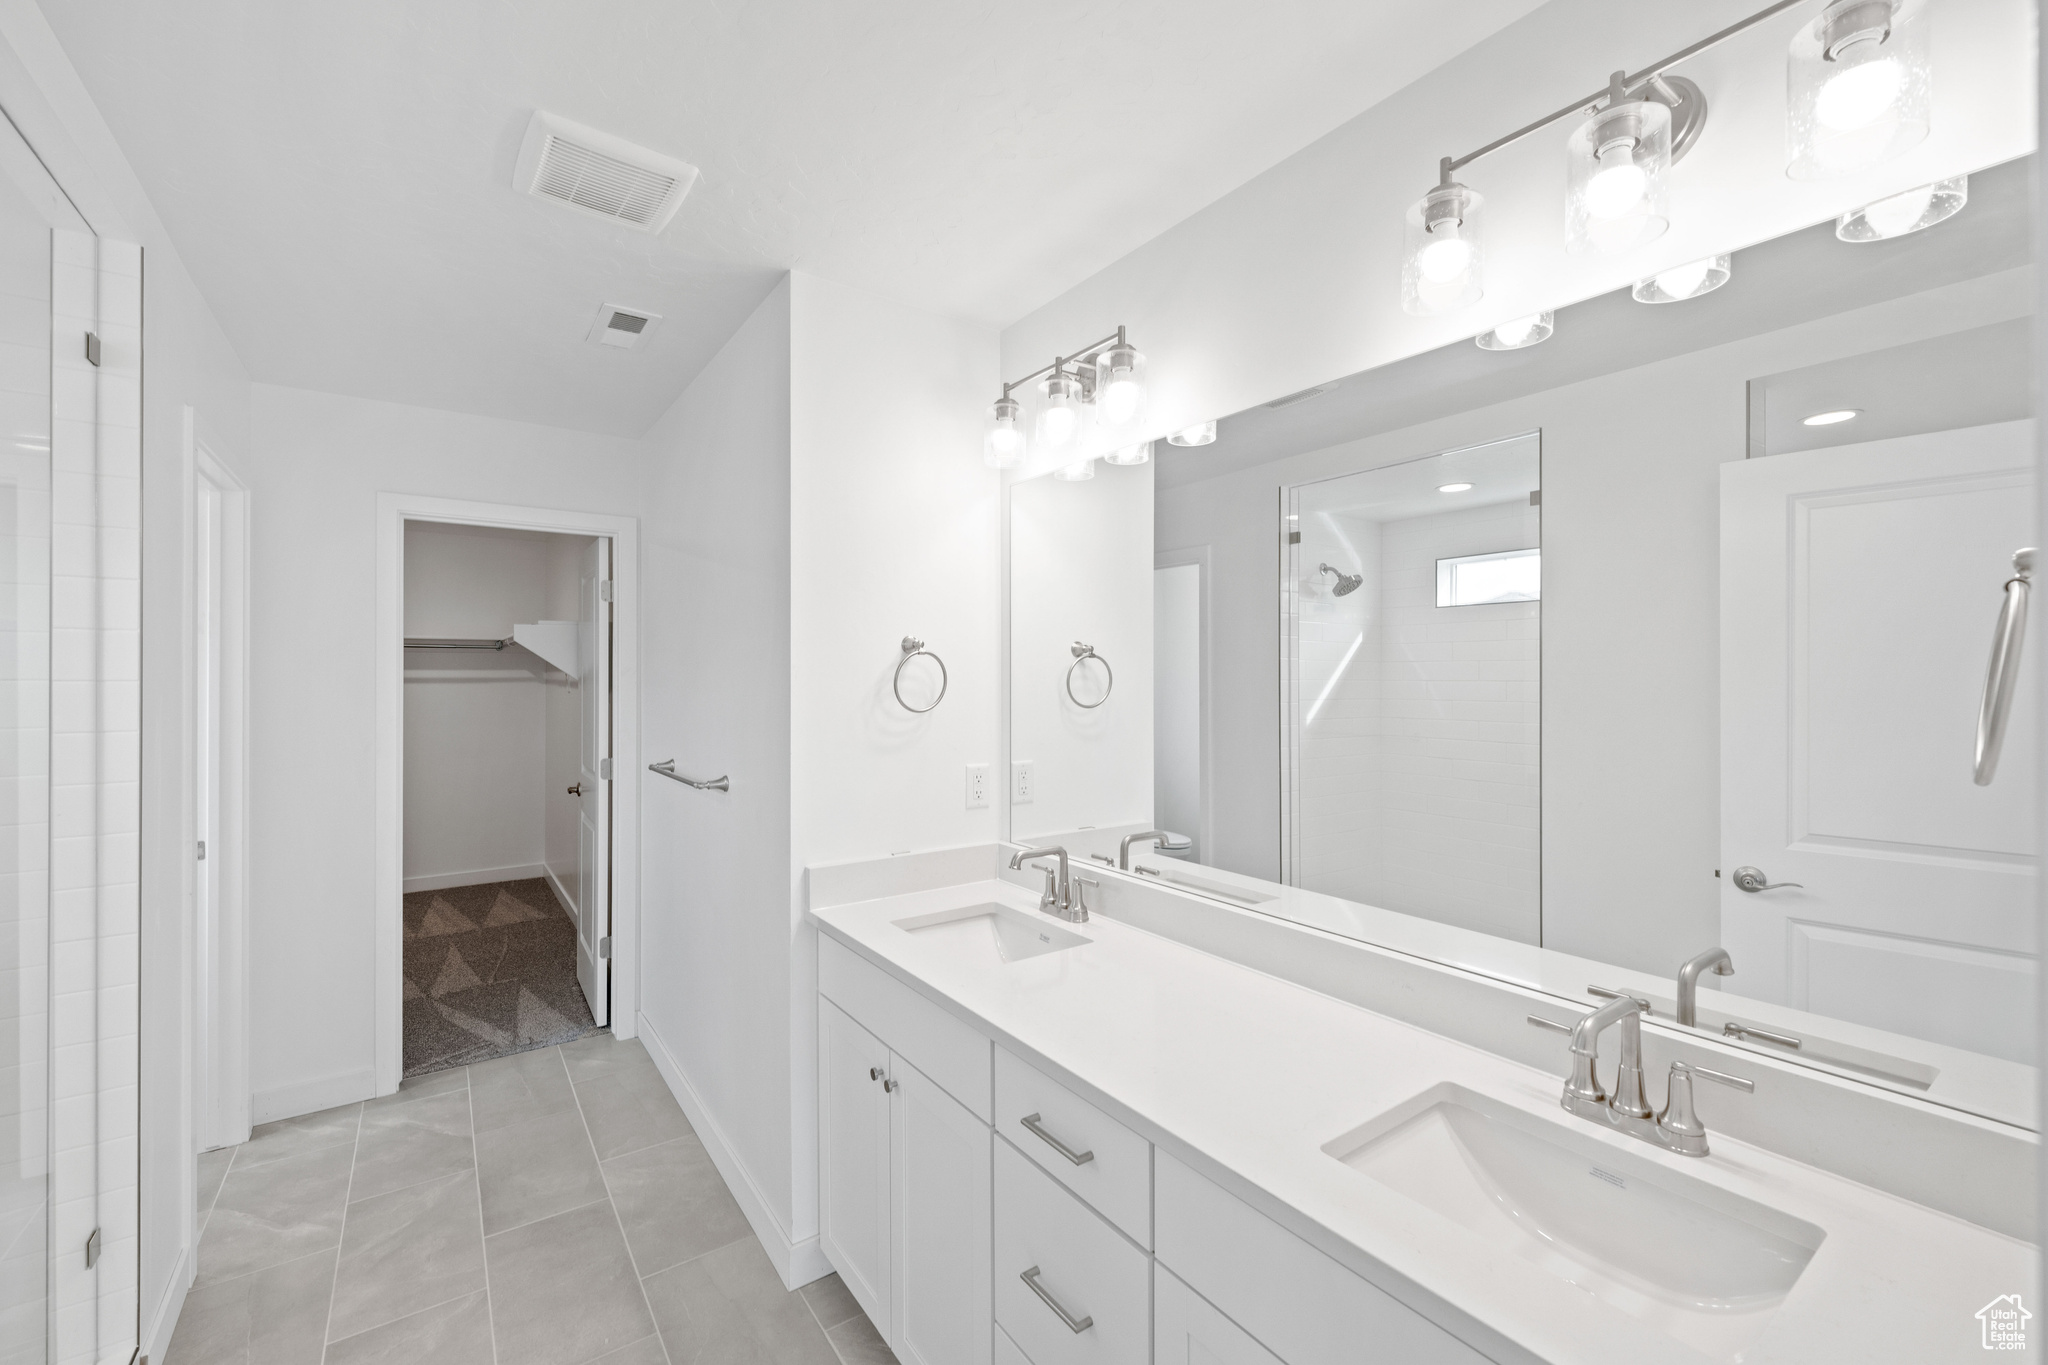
column 1718, row 1077
column 1679, row 1125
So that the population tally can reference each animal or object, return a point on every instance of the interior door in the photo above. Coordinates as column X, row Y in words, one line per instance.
column 853, row 1158
column 1859, row 588
column 593, row 823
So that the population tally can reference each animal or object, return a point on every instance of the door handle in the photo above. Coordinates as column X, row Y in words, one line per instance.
column 576, row 790
column 2002, row 676
column 1753, row 880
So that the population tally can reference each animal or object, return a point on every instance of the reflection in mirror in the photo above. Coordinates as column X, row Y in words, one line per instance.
column 1696, row 661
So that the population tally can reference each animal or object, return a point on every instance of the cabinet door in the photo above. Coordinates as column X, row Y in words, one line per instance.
column 853, row 1158
column 942, row 1226
column 1187, row 1330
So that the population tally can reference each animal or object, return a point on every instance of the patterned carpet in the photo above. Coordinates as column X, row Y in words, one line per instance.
column 489, row 970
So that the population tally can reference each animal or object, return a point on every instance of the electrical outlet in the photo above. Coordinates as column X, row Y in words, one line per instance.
column 1021, row 782
column 977, row 786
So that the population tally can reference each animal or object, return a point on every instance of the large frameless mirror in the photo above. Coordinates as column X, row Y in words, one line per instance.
column 1658, row 626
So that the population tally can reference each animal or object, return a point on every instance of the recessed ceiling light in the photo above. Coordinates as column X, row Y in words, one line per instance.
column 1828, row 419
column 1454, row 488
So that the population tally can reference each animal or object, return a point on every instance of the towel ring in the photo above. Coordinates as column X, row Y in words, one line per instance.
column 912, row 647
column 1082, row 654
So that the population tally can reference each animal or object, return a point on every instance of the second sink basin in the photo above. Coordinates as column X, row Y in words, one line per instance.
column 1704, row 1266
column 991, row 929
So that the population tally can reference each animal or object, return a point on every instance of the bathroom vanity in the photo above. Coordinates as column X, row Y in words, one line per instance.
column 1061, row 1142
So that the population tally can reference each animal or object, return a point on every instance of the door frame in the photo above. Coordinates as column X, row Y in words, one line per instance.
column 220, row 718
column 393, row 511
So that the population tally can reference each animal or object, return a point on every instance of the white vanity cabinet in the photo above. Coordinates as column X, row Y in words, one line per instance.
column 1188, row 1330
column 903, row 1164
column 1070, row 1289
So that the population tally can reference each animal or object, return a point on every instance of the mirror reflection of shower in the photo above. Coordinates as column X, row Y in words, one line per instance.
column 1346, row 582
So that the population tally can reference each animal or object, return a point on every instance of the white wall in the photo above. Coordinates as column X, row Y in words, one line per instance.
column 320, row 461
column 1293, row 279
column 1081, row 569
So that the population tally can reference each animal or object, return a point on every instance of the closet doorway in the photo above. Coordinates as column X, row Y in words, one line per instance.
column 503, row 831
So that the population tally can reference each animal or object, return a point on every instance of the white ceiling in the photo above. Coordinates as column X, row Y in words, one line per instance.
column 338, row 177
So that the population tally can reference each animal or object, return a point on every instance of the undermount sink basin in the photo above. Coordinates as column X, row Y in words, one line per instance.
column 1011, row 935
column 1706, row 1267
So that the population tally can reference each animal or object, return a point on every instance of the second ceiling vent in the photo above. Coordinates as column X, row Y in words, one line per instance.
column 604, row 176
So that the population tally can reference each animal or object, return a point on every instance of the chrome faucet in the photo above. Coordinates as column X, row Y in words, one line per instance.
column 1689, row 982
column 1677, row 1128
column 1058, row 896
column 1123, row 850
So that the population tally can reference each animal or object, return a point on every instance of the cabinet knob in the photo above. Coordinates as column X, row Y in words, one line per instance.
column 874, row 1073
column 888, row 1087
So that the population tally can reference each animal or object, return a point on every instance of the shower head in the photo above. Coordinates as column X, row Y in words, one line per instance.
column 1346, row 582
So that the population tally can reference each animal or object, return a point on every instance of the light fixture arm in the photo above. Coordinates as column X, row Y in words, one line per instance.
column 1621, row 86
column 1060, row 362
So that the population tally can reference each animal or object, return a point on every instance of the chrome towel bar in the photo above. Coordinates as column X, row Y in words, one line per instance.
column 667, row 768
column 912, row 647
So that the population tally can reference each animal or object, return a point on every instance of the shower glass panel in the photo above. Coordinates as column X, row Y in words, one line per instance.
column 1410, row 687
column 25, row 365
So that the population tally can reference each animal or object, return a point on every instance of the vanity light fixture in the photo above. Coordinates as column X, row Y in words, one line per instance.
column 1828, row 419
column 1200, row 434
column 1059, row 421
column 1900, row 214
column 1617, row 164
column 1687, row 281
column 1516, row 333
column 1454, row 488
column 1099, row 387
column 1002, row 441
column 1077, row 472
column 1131, row 454
column 1858, row 86
column 1442, row 269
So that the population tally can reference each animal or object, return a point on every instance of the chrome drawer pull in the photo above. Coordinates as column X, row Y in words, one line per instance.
column 1030, row 1121
column 1078, row 1325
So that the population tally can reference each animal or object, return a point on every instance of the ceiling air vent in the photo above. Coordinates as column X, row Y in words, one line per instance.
column 627, row 327
column 601, row 175
column 1291, row 399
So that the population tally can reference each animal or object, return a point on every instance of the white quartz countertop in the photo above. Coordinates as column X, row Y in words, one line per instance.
column 1245, row 1077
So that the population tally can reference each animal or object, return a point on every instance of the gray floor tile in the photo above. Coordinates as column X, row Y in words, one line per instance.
column 406, row 1251
column 276, row 1316
column 420, row 1087
column 213, row 1168
column 524, row 1086
column 673, row 1203
column 457, row 1333
column 535, row 1169
column 646, row 1351
column 831, row 1301
column 729, row 1307
column 563, row 1290
column 602, row 1054
column 288, row 1137
column 405, row 1144
column 858, row 1343
column 629, row 1110
column 277, row 1211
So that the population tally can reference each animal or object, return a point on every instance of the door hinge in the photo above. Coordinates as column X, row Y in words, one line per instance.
column 604, row 946
column 1294, row 537
column 604, row 768
column 607, row 591
column 92, row 348
column 202, row 850
column 92, row 1249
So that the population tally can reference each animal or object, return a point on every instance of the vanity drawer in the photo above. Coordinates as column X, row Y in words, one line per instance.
column 1009, row 1352
column 935, row 1042
column 1083, row 1265
column 1305, row 1307
column 1110, row 1166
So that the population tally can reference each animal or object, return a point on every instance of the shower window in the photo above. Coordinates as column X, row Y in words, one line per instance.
column 1481, row 580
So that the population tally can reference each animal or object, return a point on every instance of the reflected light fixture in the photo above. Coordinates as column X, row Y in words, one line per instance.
column 1687, row 281
column 1442, row 268
column 1200, row 434
column 1454, row 488
column 1002, row 441
column 1076, row 472
column 1516, row 333
column 1099, row 388
column 1858, row 86
column 1828, row 419
column 1900, row 214
column 1131, row 454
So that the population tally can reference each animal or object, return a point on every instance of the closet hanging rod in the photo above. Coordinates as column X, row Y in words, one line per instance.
column 412, row 643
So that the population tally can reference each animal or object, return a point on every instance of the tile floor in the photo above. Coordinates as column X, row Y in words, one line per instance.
column 548, row 1208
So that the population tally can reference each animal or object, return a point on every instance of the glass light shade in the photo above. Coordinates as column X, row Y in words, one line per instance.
column 1200, row 434
column 1120, row 388
column 1443, row 266
column 1131, row 454
column 1076, row 472
column 1516, row 333
column 1059, row 421
column 1858, row 86
column 1899, row 214
column 1002, row 441
column 1687, row 281
column 1617, row 164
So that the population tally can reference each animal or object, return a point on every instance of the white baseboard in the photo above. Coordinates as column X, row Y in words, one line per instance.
column 562, row 896
column 156, row 1336
column 310, row 1097
column 441, row 881
column 798, row 1263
